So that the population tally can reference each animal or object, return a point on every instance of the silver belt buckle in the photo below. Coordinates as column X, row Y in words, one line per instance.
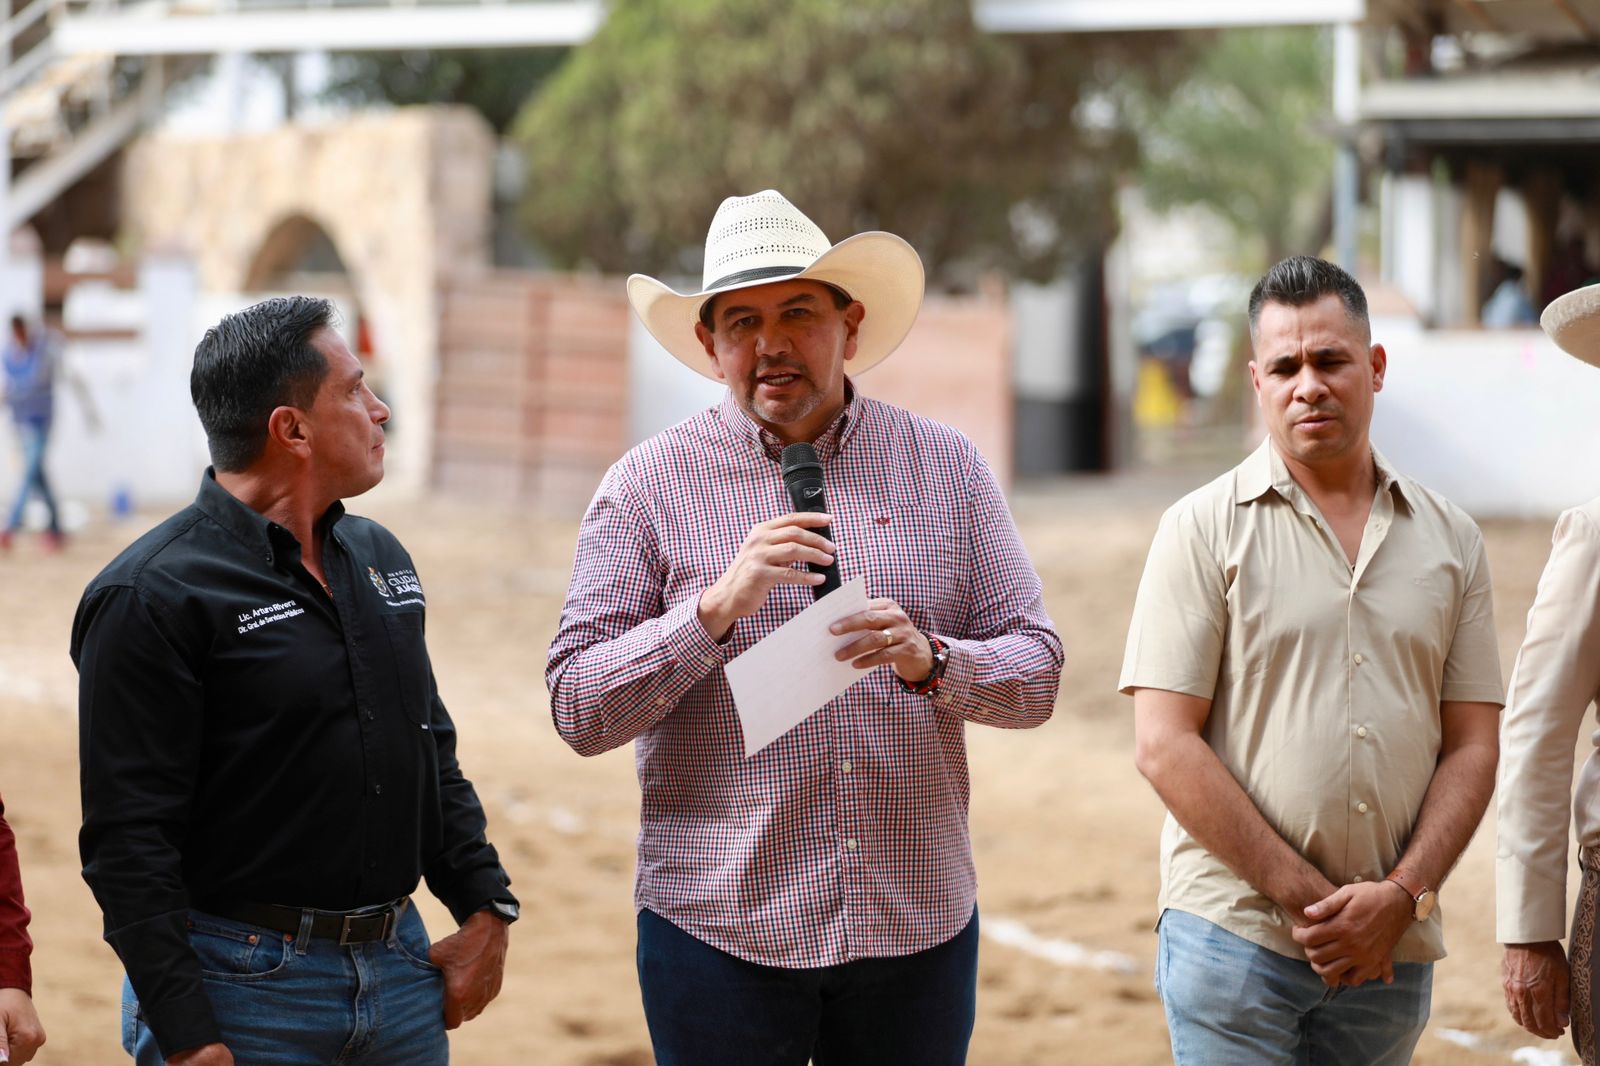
column 344, row 927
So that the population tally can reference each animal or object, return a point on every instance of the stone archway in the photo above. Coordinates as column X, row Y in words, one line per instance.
column 298, row 255
column 404, row 197
column 295, row 246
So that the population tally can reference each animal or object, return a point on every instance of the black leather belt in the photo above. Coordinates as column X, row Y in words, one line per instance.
column 347, row 927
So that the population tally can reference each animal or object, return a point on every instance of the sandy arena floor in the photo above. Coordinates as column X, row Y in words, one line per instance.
column 1064, row 828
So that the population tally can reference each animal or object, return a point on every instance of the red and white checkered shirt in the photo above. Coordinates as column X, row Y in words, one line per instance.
column 846, row 837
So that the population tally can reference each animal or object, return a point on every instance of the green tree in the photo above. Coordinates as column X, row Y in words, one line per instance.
column 494, row 81
column 983, row 151
column 1247, row 134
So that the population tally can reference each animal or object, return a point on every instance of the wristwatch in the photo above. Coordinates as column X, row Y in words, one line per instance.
column 504, row 909
column 1423, row 898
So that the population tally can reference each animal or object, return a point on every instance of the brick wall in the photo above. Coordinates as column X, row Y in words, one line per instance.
column 532, row 388
column 955, row 367
column 532, row 391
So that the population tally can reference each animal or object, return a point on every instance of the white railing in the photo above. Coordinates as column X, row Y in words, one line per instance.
column 212, row 27
column 28, row 40
column 64, row 110
column 68, row 99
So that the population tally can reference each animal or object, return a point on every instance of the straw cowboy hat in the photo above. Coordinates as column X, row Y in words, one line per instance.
column 1573, row 322
column 763, row 238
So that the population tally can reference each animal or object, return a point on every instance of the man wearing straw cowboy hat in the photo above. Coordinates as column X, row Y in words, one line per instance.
column 816, row 900
column 1556, row 678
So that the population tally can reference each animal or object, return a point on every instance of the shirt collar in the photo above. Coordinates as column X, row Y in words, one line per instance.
column 828, row 446
column 1265, row 469
column 254, row 529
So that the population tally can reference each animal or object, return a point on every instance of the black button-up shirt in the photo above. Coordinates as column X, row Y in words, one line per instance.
column 246, row 737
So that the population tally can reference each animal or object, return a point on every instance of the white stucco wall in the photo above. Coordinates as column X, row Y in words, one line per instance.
column 1501, row 422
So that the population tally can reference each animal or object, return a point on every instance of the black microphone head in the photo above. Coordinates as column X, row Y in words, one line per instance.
column 798, row 457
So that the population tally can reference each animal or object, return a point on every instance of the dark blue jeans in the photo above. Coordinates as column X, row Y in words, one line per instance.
column 708, row 1008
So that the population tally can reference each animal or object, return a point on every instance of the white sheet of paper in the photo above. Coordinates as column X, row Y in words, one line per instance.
column 788, row 675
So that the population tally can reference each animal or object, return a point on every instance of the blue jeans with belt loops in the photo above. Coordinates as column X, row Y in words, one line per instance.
column 1233, row 1003
column 33, row 437
column 306, row 1001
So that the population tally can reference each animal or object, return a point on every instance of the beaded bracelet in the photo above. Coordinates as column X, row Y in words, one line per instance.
column 930, row 684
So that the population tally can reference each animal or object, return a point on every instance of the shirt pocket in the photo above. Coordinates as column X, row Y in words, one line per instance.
column 410, row 673
column 915, row 556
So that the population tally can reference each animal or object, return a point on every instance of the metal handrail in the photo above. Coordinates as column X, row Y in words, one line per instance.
column 19, row 67
column 18, row 72
column 11, row 27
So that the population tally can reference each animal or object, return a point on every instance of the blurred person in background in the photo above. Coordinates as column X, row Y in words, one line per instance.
column 29, row 362
column 30, row 369
column 1508, row 306
column 1316, row 689
column 21, row 1035
column 267, row 769
column 816, row 900
column 1555, row 680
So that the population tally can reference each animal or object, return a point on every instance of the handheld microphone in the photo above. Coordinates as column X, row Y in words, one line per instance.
column 802, row 475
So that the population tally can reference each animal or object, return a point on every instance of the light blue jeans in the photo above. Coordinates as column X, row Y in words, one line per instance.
column 307, row 1001
column 1232, row 1003
column 33, row 436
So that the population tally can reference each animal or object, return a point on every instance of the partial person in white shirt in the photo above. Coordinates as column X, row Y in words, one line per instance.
column 1556, row 678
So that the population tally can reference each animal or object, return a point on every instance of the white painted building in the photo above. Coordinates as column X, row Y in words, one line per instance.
column 1480, row 128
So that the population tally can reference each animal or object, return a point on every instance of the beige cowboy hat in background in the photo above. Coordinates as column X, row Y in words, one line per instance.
column 1573, row 322
column 763, row 238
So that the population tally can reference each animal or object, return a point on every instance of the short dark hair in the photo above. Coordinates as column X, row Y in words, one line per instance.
column 19, row 325
column 1304, row 279
column 251, row 362
column 841, row 300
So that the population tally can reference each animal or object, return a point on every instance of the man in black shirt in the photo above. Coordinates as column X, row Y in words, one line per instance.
column 267, row 769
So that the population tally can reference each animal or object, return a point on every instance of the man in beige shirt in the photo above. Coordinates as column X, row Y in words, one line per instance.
column 1316, row 696
column 1556, row 678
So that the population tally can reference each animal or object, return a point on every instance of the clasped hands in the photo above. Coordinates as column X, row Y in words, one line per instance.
column 1349, row 934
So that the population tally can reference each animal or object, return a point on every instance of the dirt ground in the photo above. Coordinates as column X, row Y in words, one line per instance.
column 1064, row 829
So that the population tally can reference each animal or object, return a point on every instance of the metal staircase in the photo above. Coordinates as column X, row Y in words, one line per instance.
column 80, row 78
column 62, row 112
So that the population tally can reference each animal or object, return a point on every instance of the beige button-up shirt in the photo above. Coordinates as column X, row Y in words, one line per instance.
column 1556, row 678
column 1325, row 679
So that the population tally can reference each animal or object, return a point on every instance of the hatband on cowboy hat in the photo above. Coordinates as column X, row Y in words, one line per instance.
column 763, row 238
column 1573, row 322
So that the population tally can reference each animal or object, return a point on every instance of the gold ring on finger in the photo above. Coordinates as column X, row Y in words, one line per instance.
column 888, row 638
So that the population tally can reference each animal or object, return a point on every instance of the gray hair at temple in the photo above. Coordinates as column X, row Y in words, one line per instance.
column 1304, row 279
